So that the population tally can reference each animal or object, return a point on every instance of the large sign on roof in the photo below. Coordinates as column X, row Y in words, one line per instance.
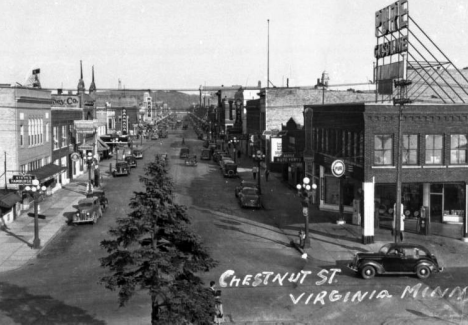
column 389, row 22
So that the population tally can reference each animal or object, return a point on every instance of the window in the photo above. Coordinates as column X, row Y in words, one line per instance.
column 64, row 136
column 383, row 149
column 21, row 135
column 56, row 144
column 434, row 148
column 47, row 132
column 410, row 149
column 458, row 147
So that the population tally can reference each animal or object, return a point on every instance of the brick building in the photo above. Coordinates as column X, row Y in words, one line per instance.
column 365, row 136
column 26, row 142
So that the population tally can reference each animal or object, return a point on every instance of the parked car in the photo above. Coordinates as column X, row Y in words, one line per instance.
column 396, row 258
column 154, row 136
column 131, row 161
column 137, row 153
column 229, row 169
column 101, row 195
column 89, row 210
column 205, row 154
column 244, row 184
column 184, row 152
column 121, row 168
column 249, row 197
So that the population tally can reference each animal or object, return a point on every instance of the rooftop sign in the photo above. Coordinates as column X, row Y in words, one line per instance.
column 390, row 20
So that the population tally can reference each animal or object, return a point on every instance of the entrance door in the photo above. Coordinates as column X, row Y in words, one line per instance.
column 436, row 207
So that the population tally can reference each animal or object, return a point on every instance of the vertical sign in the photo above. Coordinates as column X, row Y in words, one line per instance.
column 124, row 121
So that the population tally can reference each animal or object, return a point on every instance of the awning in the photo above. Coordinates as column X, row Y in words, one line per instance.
column 102, row 146
column 9, row 200
column 47, row 172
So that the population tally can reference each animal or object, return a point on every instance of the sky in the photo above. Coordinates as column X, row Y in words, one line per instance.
column 175, row 44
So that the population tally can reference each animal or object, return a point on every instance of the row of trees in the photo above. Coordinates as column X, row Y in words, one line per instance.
column 153, row 249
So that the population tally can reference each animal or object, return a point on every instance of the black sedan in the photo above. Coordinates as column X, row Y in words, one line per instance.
column 250, row 197
column 396, row 258
column 242, row 185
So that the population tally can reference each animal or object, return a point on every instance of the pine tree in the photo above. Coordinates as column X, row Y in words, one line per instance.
column 154, row 249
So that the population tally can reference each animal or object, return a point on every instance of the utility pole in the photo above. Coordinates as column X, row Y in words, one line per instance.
column 268, row 55
column 401, row 101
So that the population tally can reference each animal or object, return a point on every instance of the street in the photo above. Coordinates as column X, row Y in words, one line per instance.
column 263, row 279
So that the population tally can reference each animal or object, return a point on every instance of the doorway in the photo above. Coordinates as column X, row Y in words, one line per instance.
column 436, row 204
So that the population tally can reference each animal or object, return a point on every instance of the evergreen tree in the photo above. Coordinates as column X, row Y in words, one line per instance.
column 153, row 249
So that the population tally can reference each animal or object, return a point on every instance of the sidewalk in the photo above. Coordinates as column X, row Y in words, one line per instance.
column 16, row 240
column 334, row 244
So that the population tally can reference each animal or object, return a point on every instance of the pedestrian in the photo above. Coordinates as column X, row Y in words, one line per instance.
column 402, row 220
column 254, row 172
column 267, row 173
column 219, row 314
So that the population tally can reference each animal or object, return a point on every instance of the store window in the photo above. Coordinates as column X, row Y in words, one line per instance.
column 434, row 149
column 332, row 190
column 383, row 149
column 410, row 149
column 458, row 148
column 454, row 199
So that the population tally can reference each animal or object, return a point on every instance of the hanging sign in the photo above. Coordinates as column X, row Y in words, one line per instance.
column 338, row 168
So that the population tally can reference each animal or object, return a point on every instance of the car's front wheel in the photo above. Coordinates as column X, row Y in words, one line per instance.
column 423, row 271
column 368, row 272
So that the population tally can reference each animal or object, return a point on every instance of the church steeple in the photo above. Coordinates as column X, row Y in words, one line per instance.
column 92, row 87
column 81, row 84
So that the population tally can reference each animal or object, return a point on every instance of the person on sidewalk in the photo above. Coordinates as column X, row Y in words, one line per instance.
column 267, row 173
column 402, row 220
column 254, row 172
column 219, row 314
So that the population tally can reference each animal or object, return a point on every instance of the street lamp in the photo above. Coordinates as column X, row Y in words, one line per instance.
column 36, row 191
column 258, row 157
column 306, row 191
column 89, row 161
column 234, row 142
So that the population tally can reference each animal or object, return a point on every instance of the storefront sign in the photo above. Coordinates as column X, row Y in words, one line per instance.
column 22, row 179
column 276, row 148
column 65, row 101
column 85, row 126
column 124, row 121
column 338, row 168
column 287, row 159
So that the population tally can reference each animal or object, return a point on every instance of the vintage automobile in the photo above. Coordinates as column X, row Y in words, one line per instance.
column 137, row 153
column 184, row 152
column 101, row 195
column 89, row 210
column 131, row 161
column 191, row 160
column 244, row 184
column 396, row 258
column 154, row 136
column 205, row 154
column 249, row 197
column 229, row 169
column 121, row 168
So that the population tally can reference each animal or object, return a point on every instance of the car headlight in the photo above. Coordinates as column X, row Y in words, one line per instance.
column 87, row 213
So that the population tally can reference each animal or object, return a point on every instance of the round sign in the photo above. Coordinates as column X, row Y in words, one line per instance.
column 338, row 168
column 75, row 156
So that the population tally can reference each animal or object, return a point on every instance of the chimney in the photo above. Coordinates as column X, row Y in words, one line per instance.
column 59, row 91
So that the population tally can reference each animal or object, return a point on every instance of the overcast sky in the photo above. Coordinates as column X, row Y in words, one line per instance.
column 176, row 44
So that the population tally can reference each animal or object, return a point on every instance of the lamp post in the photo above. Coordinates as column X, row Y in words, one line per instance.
column 258, row 156
column 306, row 191
column 234, row 142
column 36, row 190
column 221, row 135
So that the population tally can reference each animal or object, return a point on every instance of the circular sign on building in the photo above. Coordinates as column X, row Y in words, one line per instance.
column 338, row 168
column 75, row 156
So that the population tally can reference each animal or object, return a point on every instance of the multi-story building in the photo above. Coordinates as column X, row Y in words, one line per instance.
column 26, row 140
column 434, row 157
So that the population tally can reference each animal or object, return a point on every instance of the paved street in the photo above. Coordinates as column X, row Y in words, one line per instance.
column 61, row 281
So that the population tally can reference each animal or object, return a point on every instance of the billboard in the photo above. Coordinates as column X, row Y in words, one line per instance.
column 389, row 23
